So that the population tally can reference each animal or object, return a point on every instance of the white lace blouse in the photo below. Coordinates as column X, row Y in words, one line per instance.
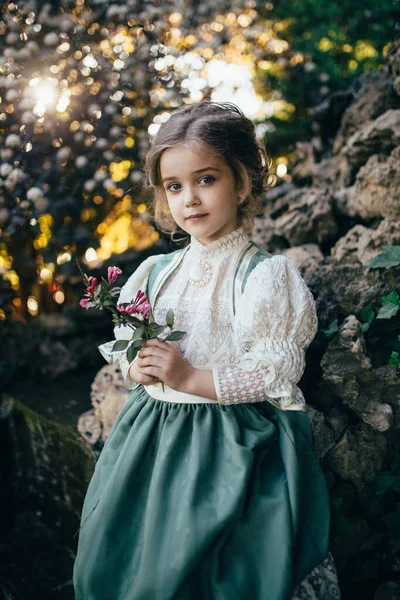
column 256, row 355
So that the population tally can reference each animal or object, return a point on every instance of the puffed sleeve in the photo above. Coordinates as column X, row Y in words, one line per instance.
column 275, row 322
column 137, row 281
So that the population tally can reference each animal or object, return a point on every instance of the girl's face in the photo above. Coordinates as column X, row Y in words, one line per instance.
column 197, row 182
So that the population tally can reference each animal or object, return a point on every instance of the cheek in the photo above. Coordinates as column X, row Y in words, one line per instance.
column 174, row 207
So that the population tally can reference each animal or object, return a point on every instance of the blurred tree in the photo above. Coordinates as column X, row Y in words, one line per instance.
column 84, row 86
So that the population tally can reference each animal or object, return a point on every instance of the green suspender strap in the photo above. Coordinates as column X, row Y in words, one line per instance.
column 251, row 255
column 160, row 271
column 249, row 258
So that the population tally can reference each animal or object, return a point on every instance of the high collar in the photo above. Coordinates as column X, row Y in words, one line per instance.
column 224, row 245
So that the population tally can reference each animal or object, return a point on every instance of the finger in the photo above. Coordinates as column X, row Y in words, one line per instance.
column 156, row 343
column 151, row 361
column 153, row 371
column 155, row 351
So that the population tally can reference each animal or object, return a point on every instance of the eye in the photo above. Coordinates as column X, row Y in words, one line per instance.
column 209, row 177
column 170, row 187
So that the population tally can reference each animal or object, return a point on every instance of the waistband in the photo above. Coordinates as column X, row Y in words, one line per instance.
column 170, row 395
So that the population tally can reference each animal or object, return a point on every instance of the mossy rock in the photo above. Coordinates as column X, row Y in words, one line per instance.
column 48, row 467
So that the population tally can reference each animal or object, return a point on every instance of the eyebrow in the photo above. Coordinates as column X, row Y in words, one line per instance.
column 198, row 171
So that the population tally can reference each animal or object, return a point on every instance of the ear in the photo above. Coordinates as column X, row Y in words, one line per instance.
column 243, row 183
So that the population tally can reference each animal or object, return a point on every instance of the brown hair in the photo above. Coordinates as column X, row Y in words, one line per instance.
column 220, row 128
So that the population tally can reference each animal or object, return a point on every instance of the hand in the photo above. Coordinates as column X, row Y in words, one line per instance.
column 137, row 374
column 164, row 361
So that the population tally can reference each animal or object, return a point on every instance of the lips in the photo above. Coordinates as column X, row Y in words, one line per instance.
column 197, row 216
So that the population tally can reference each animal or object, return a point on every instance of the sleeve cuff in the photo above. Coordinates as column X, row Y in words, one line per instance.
column 216, row 384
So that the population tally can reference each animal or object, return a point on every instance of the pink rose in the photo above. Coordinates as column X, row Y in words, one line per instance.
column 140, row 297
column 92, row 286
column 144, row 309
column 84, row 302
column 131, row 309
column 113, row 273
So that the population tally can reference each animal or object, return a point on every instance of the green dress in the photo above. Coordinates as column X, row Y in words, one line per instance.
column 205, row 500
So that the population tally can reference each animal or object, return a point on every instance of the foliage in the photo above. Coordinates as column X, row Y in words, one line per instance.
column 135, row 314
column 83, row 86
column 330, row 44
column 383, row 328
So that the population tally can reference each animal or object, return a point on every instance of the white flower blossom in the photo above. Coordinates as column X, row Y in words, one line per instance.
column 4, row 214
column 13, row 140
column 34, row 193
column 5, row 169
column 81, row 162
column 89, row 185
column 51, row 39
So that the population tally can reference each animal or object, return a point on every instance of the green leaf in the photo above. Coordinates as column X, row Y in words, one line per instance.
column 139, row 331
column 152, row 325
column 131, row 353
column 395, row 464
column 389, row 257
column 175, row 336
column 385, row 481
column 120, row 345
column 138, row 343
column 156, row 331
column 367, row 314
column 170, row 318
column 387, row 311
column 392, row 520
column 392, row 298
column 331, row 329
column 394, row 359
column 108, row 303
column 133, row 320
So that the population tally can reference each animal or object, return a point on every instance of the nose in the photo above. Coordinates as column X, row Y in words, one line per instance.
column 191, row 197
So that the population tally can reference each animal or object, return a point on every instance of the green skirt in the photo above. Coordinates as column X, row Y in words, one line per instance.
column 202, row 501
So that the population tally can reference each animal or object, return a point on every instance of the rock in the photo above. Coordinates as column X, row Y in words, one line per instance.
column 389, row 590
column 361, row 243
column 376, row 192
column 374, row 98
column 333, row 173
column 323, row 436
column 393, row 58
column 337, row 422
column 56, row 325
column 8, row 591
column 304, row 161
column 304, row 216
column 263, row 235
column 89, row 427
column 344, row 289
column 348, row 370
column 108, row 395
column 379, row 136
column 349, row 543
column 52, row 466
column 304, row 256
column 329, row 113
column 359, row 455
column 56, row 358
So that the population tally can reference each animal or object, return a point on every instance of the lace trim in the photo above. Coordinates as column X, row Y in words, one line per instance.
column 192, row 305
column 320, row 584
column 120, row 358
column 227, row 243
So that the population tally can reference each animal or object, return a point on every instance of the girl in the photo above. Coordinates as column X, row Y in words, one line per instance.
column 210, row 489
